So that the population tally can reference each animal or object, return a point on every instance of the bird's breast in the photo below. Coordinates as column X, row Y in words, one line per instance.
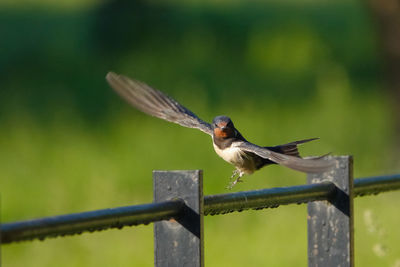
column 229, row 154
column 236, row 156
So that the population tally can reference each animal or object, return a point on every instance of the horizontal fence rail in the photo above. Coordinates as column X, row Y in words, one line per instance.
column 376, row 185
column 214, row 204
column 90, row 221
column 267, row 198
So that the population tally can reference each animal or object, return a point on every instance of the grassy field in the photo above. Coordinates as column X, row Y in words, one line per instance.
column 66, row 167
column 68, row 144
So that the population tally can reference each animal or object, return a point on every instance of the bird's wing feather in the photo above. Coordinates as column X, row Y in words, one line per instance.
column 155, row 103
column 290, row 148
column 313, row 165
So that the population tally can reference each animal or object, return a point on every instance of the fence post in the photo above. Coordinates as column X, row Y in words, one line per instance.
column 330, row 223
column 179, row 241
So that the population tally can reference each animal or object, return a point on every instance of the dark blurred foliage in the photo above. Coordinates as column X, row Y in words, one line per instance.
column 386, row 17
column 282, row 70
column 50, row 58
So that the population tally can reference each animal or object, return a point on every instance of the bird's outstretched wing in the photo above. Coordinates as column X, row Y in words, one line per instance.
column 315, row 165
column 155, row 103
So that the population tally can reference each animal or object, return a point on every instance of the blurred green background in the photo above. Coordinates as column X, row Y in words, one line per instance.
column 282, row 71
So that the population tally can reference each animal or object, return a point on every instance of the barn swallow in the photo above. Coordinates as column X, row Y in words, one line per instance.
column 228, row 142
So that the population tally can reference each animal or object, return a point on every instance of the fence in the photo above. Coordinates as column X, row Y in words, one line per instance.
column 179, row 207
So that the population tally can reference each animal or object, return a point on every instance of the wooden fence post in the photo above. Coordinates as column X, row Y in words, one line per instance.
column 179, row 241
column 330, row 223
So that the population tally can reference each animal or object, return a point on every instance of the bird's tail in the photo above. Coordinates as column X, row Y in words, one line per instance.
column 290, row 148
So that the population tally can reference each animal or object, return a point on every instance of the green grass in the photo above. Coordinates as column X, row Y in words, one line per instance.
column 65, row 166
column 282, row 71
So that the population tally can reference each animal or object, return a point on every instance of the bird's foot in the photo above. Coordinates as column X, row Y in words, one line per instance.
column 234, row 173
column 237, row 180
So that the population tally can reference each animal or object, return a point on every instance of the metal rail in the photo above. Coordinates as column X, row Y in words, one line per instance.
column 90, row 221
column 267, row 198
column 77, row 223
column 376, row 185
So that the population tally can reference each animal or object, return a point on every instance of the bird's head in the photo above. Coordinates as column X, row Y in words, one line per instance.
column 223, row 127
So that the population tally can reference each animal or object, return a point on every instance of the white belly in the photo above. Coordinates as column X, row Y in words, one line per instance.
column 239, row 159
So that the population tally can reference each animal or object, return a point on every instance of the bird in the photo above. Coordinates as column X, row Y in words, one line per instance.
column 228, row 142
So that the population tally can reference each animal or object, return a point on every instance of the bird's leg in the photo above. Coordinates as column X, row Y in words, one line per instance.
column 237, row 180
column 234, row 173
